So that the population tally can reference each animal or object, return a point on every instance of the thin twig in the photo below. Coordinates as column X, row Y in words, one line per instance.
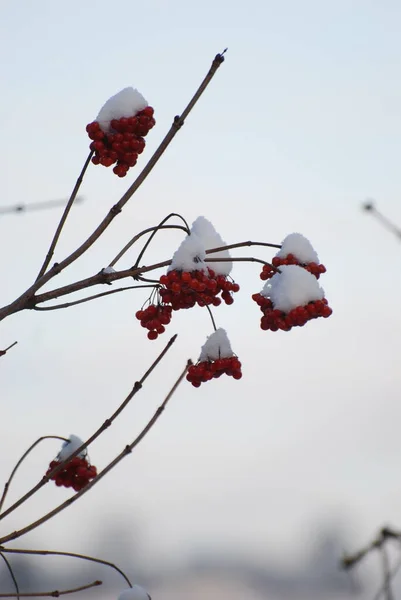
column 146, row 245
column 20, row 208
column 242, row 245
column 23, row 457
column 55, row 593
column 64, row 216
column 69, row 554
column 392, row 574
column 82, row 300
column 240, row 259
column 211, row 316
column 127, row 450
column 388, row 224
column 387, row 590
column 144, row 232
column 21, row 302
column 46, row 478
column 3, row 352
column 15, row 582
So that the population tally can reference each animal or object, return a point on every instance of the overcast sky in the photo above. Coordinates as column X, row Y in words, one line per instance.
column 300, row 125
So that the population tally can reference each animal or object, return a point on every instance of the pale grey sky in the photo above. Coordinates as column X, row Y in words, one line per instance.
column 299, row 126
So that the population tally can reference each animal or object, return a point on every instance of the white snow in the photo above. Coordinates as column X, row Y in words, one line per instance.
column 190, row 255
column 135, row 593
column 211, row 239
column 74, row 442
column 108, row 270
column 293, row 286
column 300, row 247
column 216, row 346
column 126, row 103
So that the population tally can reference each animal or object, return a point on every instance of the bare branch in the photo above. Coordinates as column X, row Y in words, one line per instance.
column 145, row 231
column 46, row 478
column 64, row 216
column 20, row 208
column 69, row 554
column 142, row 252
column 54, row 593
column 15, row 582
column 82, row 300
column 3, row 352
column 23, row 457
column 127, row 450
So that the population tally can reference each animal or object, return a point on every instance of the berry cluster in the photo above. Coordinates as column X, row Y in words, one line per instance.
column 275, row 319
column 123, row 143
column 209, row 369
column 269, row 270
column 184, row 289
column 76, row 473
column 154, row 318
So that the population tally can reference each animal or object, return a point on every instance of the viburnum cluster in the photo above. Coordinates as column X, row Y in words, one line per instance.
column 119, row 129
column 295, row 250
column 77, row 472
column 216, row 359
column 154, row 318
column 291, row 295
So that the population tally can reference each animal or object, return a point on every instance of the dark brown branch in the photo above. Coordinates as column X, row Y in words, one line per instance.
column 23, row 457
column 69, row 554
column 350, row 560
column 82, row 300
column 3, row 352
column 148, row 242
column 46, row 478
column 8, row 565
column 127, row 450
column 55, row 593
column 242, row 245
column 23, row 300
column 139, row 235
column 64, row 216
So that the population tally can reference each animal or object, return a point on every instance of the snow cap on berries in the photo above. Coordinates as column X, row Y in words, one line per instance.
column 135, row 593
column 68, row 448
column 211, row 239
column 300, row 247
column 189, row 256
column 216, row 346
column 293, row 286
column 126, row 103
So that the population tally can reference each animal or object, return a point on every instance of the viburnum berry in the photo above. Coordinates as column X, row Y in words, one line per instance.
column 295, row 250
column 291, row 298
column 216, row 359
column 118, row 132
column 154, row 318
column 185, row 289
column 77, row 472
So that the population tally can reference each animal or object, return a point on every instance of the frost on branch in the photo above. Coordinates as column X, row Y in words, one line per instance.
column 295, row 249
column 119, row 130
column 216, row 359
column 190, row 255
column 135, row 593
column 126, row 103
column 69, row 447
column 211, row 239
column 290, row 298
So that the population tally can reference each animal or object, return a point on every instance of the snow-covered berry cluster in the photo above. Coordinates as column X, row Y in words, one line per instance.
column 154, row 318
column 290, row 298
column 216, row 359
column 77, row 472
column 184, row 289
column 118, row 131
column 295, row 250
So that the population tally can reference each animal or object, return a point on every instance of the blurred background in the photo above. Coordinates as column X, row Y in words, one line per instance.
column 244, row 489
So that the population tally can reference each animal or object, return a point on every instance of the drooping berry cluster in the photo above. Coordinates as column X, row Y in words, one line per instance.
column 154, row 318
column 184, row 289
column 76, row 473
column 269, row 270
column 212, row 369
column 274, row 319
column 122, row 144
